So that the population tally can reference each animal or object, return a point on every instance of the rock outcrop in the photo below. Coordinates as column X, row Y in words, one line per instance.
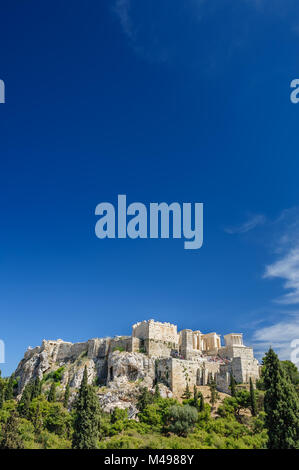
column 119, row 375
column 155, row 353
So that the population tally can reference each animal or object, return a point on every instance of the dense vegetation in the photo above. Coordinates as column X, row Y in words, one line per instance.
column 248, row 419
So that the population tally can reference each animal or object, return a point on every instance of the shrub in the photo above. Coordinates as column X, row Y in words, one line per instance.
column 119, row 348
column 181, row 419
column 55, row 375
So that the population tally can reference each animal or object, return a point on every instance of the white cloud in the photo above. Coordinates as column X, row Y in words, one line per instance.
column 282, row 235
column 122, row 9
column 287, row 268
column 286, row 245
column 250, row 224
column 279, row 336
column 155, row 30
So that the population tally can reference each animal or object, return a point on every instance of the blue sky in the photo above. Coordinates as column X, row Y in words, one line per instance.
column 160, row 100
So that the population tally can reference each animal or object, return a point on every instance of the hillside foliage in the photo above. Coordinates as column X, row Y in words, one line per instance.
column 45, row 417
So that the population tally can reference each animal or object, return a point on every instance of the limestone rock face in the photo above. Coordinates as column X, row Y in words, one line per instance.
column 75, row 376
column 131, row 367
column 154, row 353
column 127, row 374
column 118, row 375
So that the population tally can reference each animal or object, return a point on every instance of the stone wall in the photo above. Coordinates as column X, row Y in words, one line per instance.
column 184, row 372
column 229, row 352
column 163, row 371
column 158, row 331
column 123, row 343
column 178, row 358
column 141, row 330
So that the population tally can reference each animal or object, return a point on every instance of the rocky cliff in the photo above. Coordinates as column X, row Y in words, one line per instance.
column 118, row 374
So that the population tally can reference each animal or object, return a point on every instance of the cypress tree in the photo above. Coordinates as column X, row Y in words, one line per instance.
column 24, row 403
column 187, row 394
column 52, row 393
column 145, row 398
column 11, row 438
column 87, row 417
column 1, row 394
column 38, row 420
column 232, row 387
column 157, row 394
column 281, row 405
column 36, row 388
column 253, row 405
column 9, row 390
column 66, row 395
column 214, row 393
column 202, row 403
column 195, row 398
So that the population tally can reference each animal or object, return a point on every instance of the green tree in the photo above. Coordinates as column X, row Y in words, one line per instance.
column 195, row 401
column 1, row 393
column 214, row 394
column 11, row 438
column 234, row 405
column 202, row 404
column 36, row 388
column 66, row 395
column 291, row 371
column 145, row 398
column 87, row 417
column 281, row 405
column 232, row 386
column 157, row 394
column 9, row 389
column 52, row 393
column 38, row 420
column 58, row 420
column 118, row 421
column 181, row 419
column 24, row 403
column 253, row 404
column 187, row 394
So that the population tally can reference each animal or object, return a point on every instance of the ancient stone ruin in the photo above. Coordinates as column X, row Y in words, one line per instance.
column 193, row 356
column 155, row 353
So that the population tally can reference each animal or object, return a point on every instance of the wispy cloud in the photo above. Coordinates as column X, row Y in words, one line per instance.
column 122, row 10
column 248, row 225
column 279, row 336
column 283, row 236
column 169, row 31
column 287, row 268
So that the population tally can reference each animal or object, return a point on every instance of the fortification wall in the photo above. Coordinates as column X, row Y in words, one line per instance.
column 123, row 343
column 158, row 348
column 176, row 373
column 98, row 347
column 229, row 352
column 184, row 372
column 156, row 338
column 135, row 345
column 156, row 330
column 223, row 378
column 243, row 369
column 163, row 331
column 163, row 371
column 140, row 330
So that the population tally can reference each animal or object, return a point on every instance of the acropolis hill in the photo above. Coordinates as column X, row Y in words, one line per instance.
column 155, row 353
